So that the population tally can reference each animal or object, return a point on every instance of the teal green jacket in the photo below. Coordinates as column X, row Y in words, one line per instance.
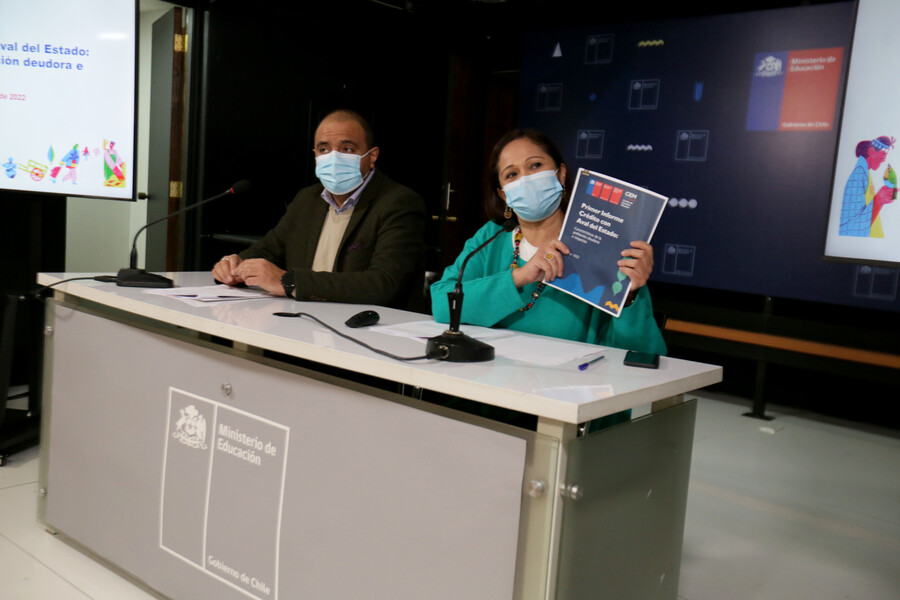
column 493, row 300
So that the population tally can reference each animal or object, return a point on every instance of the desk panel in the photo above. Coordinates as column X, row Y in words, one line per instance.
column 281, row 485
column 309, row 485
column 622, row 536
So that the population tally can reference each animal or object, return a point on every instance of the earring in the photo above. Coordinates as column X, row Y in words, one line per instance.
column 507, row 213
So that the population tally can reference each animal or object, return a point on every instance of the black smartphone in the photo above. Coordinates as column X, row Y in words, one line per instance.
column 646, row 360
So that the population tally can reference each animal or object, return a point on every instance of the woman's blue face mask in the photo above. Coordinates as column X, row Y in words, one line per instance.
column 534, row 197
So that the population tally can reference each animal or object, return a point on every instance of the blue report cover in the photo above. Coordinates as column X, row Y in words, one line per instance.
column 604, row 216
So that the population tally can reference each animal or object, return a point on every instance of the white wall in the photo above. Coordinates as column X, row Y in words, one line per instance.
column 99, row 232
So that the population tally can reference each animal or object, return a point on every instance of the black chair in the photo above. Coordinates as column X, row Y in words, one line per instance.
column 660, row 317
column 19, row 428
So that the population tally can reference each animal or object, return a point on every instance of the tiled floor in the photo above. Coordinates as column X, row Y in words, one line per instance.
column 791, row 508
column 796, row 508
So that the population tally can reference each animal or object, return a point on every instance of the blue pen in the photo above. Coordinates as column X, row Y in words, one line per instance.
column 584, row 366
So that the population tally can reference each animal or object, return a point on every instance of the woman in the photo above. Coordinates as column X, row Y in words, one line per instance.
column 503, row 282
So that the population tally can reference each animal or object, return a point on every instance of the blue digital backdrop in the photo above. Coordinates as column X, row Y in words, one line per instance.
column 735, row 119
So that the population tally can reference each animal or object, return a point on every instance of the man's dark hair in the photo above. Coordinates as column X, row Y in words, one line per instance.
column 352, row 115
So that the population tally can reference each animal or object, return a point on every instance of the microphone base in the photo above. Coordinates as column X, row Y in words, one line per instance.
column 141, row 278
column 458, row 347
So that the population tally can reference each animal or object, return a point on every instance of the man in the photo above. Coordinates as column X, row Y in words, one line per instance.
column 355, row 237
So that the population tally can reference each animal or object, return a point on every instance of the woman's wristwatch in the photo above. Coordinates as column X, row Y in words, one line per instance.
column 630, row 299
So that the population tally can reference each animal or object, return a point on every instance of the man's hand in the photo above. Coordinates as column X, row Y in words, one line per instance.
column 260, row 273
column 224, row 269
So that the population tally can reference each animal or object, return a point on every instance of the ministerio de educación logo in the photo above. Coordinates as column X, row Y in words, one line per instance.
column 770, row 66
column 190, row 429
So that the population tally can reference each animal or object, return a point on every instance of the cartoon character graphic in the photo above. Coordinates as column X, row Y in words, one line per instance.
column 10, row 167
column 69, row 162
column 858, row 214
column 113, row 166
column 886, row 195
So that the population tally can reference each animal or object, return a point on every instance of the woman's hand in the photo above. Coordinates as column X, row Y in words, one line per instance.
column 637, row 263
column 545, row 265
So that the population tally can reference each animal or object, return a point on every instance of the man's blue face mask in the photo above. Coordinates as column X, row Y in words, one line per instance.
column 534, row 197
column 339, row 171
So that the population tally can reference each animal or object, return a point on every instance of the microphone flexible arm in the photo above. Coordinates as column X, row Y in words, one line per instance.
column 455, row 298
column 133, row 262
column 453, row 345
column 134, row 277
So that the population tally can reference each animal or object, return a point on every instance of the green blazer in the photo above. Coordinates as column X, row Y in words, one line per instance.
column 493, row 300
column 379, row 256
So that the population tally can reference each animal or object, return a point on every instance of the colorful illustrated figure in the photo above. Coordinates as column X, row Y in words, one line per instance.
column 886, row 195
column 113, row 166
column 69, row 162
column 10, row 167
column 857, row 208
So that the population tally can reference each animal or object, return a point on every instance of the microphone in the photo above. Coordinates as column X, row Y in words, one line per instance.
column 453, row 345
column 134, row 277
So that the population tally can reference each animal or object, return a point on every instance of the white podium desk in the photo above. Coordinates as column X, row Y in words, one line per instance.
column 178, row 451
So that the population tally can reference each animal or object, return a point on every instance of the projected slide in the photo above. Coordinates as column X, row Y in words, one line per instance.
column 67, row 97
column 735, row 119
column 864, row 218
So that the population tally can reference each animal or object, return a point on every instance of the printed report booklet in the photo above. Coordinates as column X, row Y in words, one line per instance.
column 604, row 216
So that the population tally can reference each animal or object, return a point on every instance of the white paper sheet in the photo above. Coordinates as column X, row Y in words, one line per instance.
column 210, row 294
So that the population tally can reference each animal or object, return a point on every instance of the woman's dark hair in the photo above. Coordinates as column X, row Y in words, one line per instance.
column 494, row 206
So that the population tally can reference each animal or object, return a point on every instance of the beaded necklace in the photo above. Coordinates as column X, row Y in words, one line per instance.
column 515, row 265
